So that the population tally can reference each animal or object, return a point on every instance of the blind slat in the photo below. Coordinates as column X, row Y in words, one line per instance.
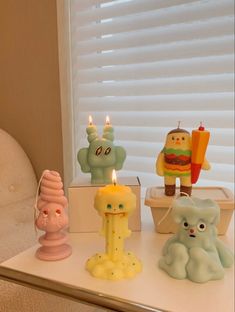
column 199, row 10
column 83, row 5
column 123, row 9
column 171, row 51
column 192, row 101
column 174, row 68
column 170, row 33
column 191, row 84
column 223, row 119
column 214, row 153
column 146, row 164
column 221, row 137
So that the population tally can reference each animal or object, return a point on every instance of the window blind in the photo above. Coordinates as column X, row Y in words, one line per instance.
column 149, row 64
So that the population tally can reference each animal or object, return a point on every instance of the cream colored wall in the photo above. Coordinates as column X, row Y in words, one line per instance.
column 29, row 80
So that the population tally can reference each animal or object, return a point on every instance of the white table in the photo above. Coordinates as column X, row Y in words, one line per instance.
column 151, row 290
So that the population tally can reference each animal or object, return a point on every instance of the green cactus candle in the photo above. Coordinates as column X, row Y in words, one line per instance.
column 102, row 156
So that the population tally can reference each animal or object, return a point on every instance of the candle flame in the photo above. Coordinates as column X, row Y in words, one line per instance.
column 90, row 120
column 114, row 177
column 107, row 121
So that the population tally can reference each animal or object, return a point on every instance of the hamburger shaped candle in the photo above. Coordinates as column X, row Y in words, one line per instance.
column 52, row 218
column 102, row 156
column 195, row 252
column 114, row 203
column 183, row 156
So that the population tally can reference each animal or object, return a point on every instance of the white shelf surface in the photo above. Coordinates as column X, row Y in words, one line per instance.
column 151, row 288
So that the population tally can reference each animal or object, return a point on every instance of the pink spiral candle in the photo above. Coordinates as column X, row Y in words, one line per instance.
column 51, row 190
column 52, row 218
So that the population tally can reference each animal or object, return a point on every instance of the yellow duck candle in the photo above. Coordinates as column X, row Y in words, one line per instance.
column 114, row 203
column 181, row 153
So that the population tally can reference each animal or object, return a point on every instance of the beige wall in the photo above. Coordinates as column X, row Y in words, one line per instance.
column 29, row 80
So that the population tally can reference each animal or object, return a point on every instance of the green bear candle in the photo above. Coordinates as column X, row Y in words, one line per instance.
column 102, row 156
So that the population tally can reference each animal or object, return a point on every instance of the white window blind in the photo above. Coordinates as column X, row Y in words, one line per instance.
column 148, row 64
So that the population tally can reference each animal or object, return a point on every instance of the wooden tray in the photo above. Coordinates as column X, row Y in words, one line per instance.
column 159, row 204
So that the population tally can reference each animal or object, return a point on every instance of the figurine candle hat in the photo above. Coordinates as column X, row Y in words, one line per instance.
column 114, row 203
column 52, row 218
column 175, row 160
column 102, row 156
column 195, row 252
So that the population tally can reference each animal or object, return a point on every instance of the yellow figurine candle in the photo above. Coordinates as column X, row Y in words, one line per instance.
column 183, row 156
column 114, row 204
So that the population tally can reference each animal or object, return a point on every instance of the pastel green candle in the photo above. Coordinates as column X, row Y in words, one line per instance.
column 195, row 252
column 101, row 157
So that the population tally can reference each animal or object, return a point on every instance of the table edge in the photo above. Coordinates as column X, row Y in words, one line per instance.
column 78, row 294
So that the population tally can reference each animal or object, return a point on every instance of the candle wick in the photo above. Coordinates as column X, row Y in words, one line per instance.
column 179, row 122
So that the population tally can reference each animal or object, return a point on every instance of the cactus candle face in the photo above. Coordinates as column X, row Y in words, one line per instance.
column 195, row 252
column 175, row 160
column 114, row 204
column 102, row 156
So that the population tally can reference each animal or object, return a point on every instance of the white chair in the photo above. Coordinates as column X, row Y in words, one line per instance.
column 18, row 186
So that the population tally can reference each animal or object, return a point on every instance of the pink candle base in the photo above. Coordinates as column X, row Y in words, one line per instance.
column 53, row 249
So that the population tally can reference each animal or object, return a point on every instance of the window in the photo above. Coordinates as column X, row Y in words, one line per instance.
column 149, row 64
